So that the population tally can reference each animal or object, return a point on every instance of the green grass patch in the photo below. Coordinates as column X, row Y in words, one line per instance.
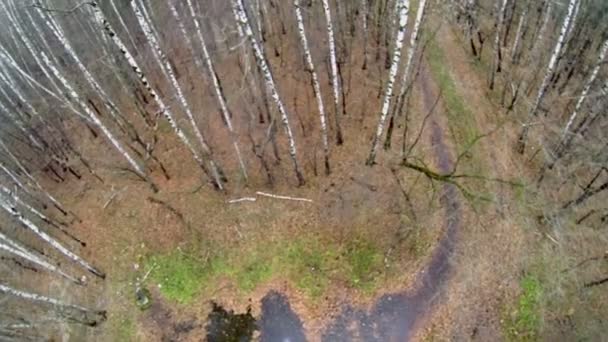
column 365, row 261
column 461, row 119
column 310, row 264
column 524, row 322
column 179, row 275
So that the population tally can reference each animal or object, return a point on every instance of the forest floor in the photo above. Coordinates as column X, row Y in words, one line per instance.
column 357, row 240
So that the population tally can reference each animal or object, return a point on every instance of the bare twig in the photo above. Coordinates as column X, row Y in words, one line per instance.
column 283, row 197
column 244, row 199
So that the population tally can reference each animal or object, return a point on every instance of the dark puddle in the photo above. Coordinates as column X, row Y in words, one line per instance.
column 227, row 326
column 277, row 323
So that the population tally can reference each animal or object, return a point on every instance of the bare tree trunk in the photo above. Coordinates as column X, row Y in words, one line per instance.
column 4, row 203
column 14, row 248
column 405, row 79
column 334, row 69
column 496, row 64
column 587, row 88
column 88, row 317
column 217, row 87
column 145, row 23
column 403, row 16
column 523, row 137
column 243, row 21
column 315, row 82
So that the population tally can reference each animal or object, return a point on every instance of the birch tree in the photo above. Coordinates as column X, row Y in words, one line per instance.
column 587, row 87
column 217, row 87
column 89, row 317
column 333, row 61
column 403, row 8
column 523, row 21
column 315, row 81
column 405, row 85
column 542, row 91
column 145, row 23
column 12, row 247
column 162, row 107
column 4, row 203
column 89, row 116
column 364, row 13
column 243, row 21
column 496, row 63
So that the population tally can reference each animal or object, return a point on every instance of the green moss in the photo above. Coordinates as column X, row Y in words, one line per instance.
column 365, row 262
column 309, row 264
column 180, row 276
column 524, row 322
column 253, row 273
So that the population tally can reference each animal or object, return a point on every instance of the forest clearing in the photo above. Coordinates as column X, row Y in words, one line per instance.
column 303, row 170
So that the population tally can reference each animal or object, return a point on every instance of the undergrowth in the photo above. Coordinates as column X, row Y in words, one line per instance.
column 523, row 324
column 309, row 264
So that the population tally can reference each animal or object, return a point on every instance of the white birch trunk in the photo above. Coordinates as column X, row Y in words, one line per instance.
column 145, row 23
column 403, row 17
column 123, row 24
column 587, row 87
column 38, row 298
column 162, row 108
column 6, row 59
column 334, row 68
column 71, row 92
column 14, row 248
column 499, row 24
column 57, row 31
column 364, row 12
column 315, row 81
column 217, row 88
column 521, row 145
column 523, row 20
column 47, row 238
column 412, row 51
column 270, row 84
column 31, row 178
column 554, row 56
column 35, row 53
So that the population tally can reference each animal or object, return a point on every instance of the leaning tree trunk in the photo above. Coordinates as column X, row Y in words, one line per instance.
column 334, row 69
column 4, row 203
column 405, row 80
column 12, row 247
column 162, row 108
column 145, row 23
column 90, row 116
column 587, row 87
column 403, row 16
column 523, row 137
column 243, row 21
column 496, row 64
column 523, row 21
column 364, row 22
column 217, row 87
column 88, row 317
column 315, row 82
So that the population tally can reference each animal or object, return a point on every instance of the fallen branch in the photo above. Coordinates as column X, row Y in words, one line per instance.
column 171, row 209
column 284, row 197
column 244, row 199
column 597, row 282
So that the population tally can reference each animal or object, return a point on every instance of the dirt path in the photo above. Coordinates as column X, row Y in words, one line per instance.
column 394, row 317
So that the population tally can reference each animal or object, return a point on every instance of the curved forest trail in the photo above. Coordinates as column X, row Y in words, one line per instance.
column 394, row 316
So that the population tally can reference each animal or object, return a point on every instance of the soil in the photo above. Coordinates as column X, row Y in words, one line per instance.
column 122, row 227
